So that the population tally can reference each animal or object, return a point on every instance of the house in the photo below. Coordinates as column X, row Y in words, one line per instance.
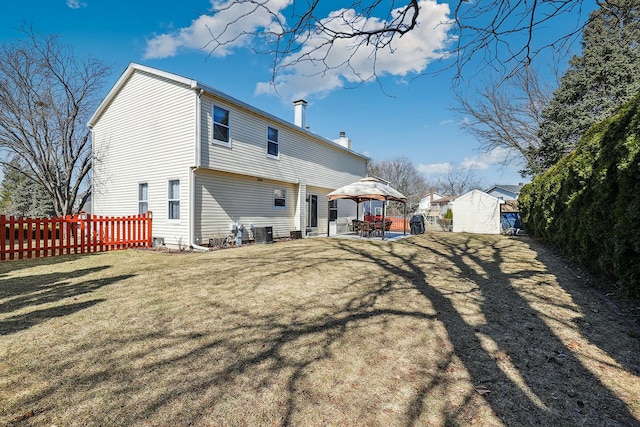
column 434, row 207
column 204, row 162
column 505, row 192
column 477, row 212
column 424, row 206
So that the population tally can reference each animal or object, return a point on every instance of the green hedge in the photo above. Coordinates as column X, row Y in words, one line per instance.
column 588, row 204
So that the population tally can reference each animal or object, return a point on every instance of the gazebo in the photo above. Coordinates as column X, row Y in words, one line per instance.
column 368, row 189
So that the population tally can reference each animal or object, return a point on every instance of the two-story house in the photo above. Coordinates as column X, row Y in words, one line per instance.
column 203, row 161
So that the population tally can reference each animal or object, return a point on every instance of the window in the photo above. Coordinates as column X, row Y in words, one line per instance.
column 272, row 142
column 333, row 210
column 174, row 199
column 220, row 125
column 279, row 198
column 143, row 197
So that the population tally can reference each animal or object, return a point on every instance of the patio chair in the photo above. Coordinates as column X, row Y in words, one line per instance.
column 366, row 228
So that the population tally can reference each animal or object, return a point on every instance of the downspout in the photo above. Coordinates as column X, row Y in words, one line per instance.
column 93, row 157
column 192, row 175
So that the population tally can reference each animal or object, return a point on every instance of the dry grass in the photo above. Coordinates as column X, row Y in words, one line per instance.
column 434, row 330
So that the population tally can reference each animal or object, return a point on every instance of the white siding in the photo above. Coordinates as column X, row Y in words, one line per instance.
column 303, row 157
column 223, row 199
column 502, row 194
column 147, row 134
column 145, row 131
column 476, row 212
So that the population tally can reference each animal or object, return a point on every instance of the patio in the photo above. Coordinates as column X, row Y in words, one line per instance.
column 368, row 189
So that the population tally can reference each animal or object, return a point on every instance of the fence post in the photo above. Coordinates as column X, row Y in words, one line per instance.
column 3, row 237
column 149, row 229
column 29, row 234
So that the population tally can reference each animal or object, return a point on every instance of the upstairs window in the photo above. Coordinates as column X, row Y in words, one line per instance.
column 143, row 197
column 220, row 125
column 174, row 199
column 279, row 198
column 272, row 142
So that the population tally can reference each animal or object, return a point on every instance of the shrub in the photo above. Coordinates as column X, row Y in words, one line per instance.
column 588, row 204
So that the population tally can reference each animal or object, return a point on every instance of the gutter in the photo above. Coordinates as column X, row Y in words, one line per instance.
column 192, row 174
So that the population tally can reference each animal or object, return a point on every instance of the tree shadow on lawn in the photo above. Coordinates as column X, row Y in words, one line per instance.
column 209, row 364
column 270, row 354
column 9, row 266
column 532, row 376
column 23, row 292
column 615, row 332
column 179, row 373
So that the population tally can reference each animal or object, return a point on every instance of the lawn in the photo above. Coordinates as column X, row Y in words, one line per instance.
column 440, row 329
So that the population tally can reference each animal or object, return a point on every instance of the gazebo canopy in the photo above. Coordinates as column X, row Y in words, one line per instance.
column 367, row 189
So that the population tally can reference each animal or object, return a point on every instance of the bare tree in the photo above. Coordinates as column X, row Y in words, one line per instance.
column 46, row 97
column 504, row 34
column 455, row 182
column 493, row 33
column 402, row 175
column 506, row 115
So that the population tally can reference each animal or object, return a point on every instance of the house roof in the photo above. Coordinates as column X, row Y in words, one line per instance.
column 514, row 189
column 443, row 200
column 199, row 86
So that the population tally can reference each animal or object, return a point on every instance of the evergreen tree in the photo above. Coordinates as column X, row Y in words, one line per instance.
column 604, row 77
column 20, row 196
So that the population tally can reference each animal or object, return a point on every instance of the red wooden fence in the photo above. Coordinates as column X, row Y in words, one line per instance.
column 398, row 224
column 77, row 234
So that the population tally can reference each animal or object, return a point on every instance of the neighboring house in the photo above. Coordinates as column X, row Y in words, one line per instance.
column 505, row 192
column 477, row 212
column 438, row 209
column 203, row 162
column 424, row 206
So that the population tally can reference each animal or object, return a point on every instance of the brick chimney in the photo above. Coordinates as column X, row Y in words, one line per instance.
column 300, row 113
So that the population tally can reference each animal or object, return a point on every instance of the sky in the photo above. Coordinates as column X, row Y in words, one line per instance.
column 406, row 112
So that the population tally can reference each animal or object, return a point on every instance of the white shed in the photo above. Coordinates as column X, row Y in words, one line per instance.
column 477, row 212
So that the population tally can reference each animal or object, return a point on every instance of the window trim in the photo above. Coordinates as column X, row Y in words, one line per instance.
column 170, row 200
column 214, row 124
column 284, row 197
column 275, row 142
column 140, row 200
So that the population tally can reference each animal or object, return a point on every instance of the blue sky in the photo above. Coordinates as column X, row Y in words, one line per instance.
column 405, row 114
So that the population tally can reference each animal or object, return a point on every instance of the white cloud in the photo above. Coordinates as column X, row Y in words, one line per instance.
column 484, row 161
column 498, row 155
column 75, row 4
column 235, row 24
column 435, row 168
column 230, row 24
column 410, row 53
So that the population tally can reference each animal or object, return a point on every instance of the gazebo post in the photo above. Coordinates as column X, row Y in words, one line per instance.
column 404, row 222
column 384, row 213
column 328, row 216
